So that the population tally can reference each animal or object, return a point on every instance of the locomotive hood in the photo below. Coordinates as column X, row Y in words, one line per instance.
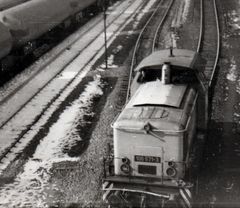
column 163, row 107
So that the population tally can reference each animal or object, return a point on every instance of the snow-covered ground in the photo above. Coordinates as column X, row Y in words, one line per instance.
column 232, row 75
column 85, row 52
column 179, row 19
column 29, row 185
column 233, row 23
column 27, row 189
column 183, row 11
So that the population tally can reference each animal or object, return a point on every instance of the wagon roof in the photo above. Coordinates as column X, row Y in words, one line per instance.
column 181, row 57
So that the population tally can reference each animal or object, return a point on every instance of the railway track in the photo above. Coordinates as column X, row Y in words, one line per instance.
column 147, row 39
column 53, row 96
column 57, row 55
column 209, row 47
column 220, row 177
column 208, row 44
column 209, row 39
column 43, row 44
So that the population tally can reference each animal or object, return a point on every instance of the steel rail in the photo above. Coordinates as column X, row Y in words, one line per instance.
column 200, row 44
column 206, row 79
column 218, row 43
column 51, row 59
column 201, row 27
column 138, row 43
column 18, row 140
column 160, row 25
column 140, row 36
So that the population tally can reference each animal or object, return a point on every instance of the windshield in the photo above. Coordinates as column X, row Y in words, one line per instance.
column 178, row 76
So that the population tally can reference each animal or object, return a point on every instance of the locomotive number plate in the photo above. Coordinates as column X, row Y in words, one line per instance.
column 148, row 159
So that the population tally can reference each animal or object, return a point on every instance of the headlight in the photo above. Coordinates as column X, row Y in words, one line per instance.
column 171, row 164
column 125, row 160
column 125, row 167
column 171, row 172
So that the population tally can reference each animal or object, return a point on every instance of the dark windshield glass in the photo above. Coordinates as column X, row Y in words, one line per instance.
column 178, row 76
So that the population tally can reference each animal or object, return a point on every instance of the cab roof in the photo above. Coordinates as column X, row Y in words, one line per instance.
column 165, row 107
column 180, row 58
column 148, row 94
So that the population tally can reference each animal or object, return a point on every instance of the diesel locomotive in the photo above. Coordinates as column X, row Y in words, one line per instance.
column 21, row 25
column 149, row 164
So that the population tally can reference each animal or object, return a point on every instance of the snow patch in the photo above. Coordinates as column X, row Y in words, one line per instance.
column 111, row 59
column 186, row 10
column 232, row 74
column 237, row 115
column 238, row 87
column 233, row 21
column 28, row 187
column 140, row 15
column 181, row 13
column 67, row 75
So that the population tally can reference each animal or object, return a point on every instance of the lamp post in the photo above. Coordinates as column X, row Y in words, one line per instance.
column 105, row 32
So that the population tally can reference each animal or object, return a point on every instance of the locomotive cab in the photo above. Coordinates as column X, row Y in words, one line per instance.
column 183, row 66
column 153, row 135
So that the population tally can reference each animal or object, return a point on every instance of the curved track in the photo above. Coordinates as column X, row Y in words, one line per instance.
column 220, row 174
column 209, row 39
column 148, row 36
column 209, row 48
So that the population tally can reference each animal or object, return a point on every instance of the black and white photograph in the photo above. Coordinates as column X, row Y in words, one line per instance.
column 119, row 103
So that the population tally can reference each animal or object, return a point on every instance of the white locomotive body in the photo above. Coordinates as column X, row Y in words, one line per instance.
column 154, row 133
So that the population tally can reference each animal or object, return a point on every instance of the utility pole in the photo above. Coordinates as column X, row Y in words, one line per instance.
column 105, row 32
